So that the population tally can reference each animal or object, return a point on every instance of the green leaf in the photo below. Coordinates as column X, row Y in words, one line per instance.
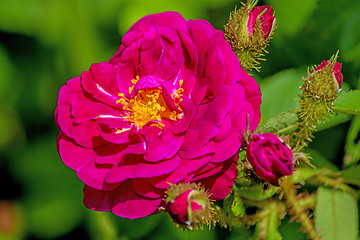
column 352, row 144
column 290, row 21
column 287, row 83
column 290, row 230
column 352, row 175
column 333, row 120
column 320, row 161
column 348, row 103
column 336, row 215
column 350, row 37
column 279, row 123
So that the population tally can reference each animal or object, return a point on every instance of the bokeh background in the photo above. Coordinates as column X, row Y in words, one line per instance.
column 44, row 43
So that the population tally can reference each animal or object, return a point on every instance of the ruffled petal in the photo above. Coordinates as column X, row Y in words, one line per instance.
column 224, row 129
column 174, row 177
column 189, row 111
column 93, row 175
column 172, row 20
column 198, row 137
column 126, row 203
column 211, row 69
column 98, row 200
column 134, row 166
column 73, row 155
column 227, row 148
column 207, row 149
column 100, row 82
column 220, row 184
column 208, row 170
column 123, row 201
column 143, row 187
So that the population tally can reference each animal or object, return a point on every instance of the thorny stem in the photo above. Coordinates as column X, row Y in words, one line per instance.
column 307, row 202
column 337, row 183
column 298, row 211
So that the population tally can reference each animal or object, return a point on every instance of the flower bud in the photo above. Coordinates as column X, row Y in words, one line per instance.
column 324, row 81
column 248, row 31
column 270, row 158
column 265, row 15
column 318, row 93
column 337, row 75
column 189, row 205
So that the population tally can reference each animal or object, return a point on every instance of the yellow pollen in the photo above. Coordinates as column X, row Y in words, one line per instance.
column 148, row 105
column 134, row 81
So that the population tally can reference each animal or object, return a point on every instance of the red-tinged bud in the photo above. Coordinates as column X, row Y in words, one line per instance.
column 324, row 81
column 337, row 75
column 318, row 93
column 249, row 30
column 189, row 205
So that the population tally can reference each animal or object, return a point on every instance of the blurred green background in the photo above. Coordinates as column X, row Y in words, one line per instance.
column 44, row 43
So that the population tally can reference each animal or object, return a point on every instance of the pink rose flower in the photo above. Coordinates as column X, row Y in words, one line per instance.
column 270, row 158
column 169, row 107
column 336, row 71
column 267, row 20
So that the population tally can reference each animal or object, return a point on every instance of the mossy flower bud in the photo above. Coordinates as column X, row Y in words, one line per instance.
column 324, row 81
column 189, row 205
column 248, row 30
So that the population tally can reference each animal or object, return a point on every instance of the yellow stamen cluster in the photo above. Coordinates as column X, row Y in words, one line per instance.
column 148, row 105
column 177, row 96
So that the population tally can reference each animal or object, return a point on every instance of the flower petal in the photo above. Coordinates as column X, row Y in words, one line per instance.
column 198, row 137
column 174, row 177
column 134, row 166
column 73, row 155
column 227, row 148
column 126, row 203
column 220, row 184
column 143, row 187
column 100, row 82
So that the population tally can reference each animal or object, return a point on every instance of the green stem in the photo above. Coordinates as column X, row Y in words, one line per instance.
column 337, row 183
column 298, row 211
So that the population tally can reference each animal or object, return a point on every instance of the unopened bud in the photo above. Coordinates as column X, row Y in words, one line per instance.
column 248, row 30
column 189, row 205
column 324, row 81
column 270, row 158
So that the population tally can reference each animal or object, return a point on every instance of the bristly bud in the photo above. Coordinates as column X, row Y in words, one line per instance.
column 249, row 30
column 324, row 81
column 189, row 205
column 318, row 92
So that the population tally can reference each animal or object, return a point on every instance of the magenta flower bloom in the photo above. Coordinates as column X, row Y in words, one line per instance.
column 338, row 76
column 270, row 158
column 169, row 107
column 267, row 19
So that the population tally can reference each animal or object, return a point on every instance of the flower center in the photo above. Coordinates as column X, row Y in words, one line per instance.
column 148, row 106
